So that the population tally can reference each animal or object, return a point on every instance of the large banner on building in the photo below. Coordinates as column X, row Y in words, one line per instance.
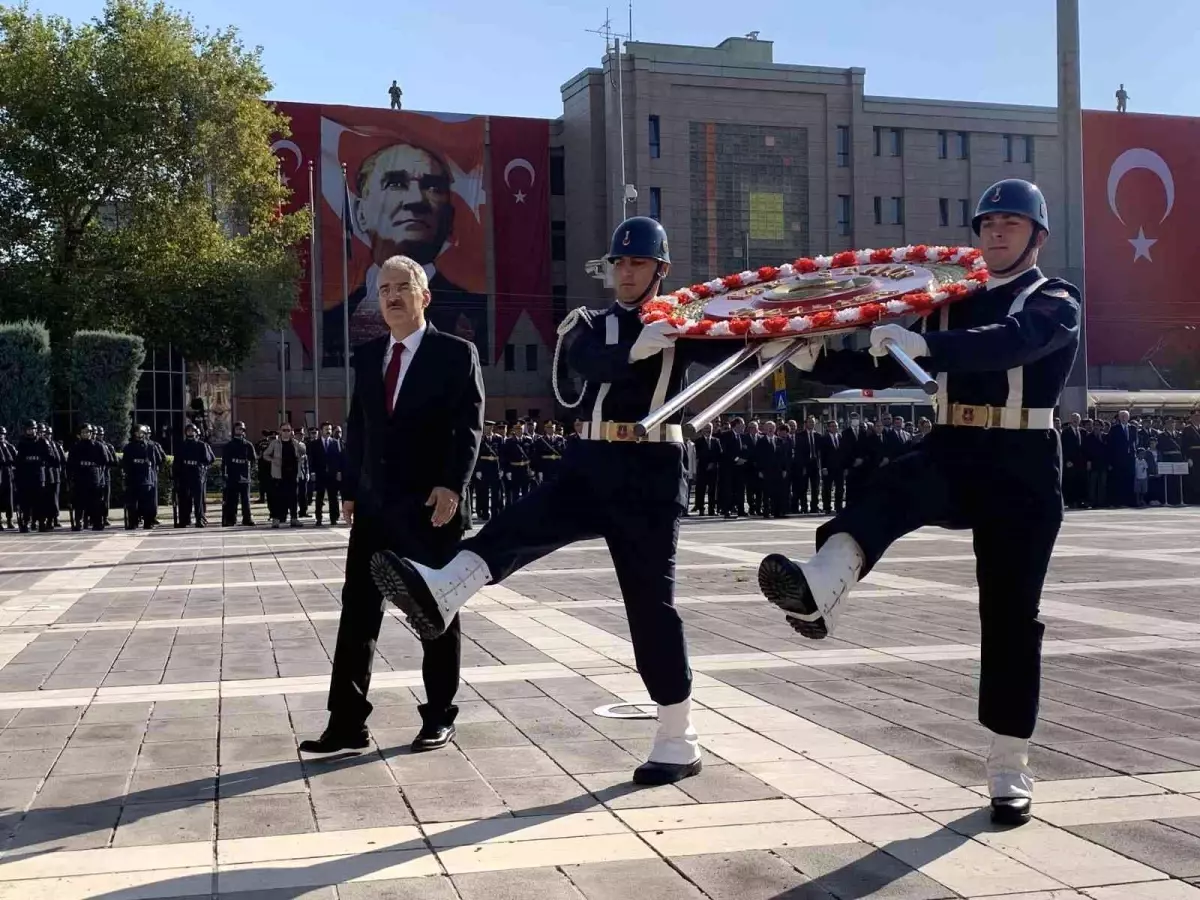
column 1141, row 218
column 520, row 201
column 414, row 186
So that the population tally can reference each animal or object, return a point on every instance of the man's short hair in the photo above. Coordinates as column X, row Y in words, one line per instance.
column 406, row 264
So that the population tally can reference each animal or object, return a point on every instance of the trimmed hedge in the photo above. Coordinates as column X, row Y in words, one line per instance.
column 104, row 375
column 24, row 373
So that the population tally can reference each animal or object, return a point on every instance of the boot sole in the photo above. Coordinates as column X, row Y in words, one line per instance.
column 404, row 588
column 783, row 583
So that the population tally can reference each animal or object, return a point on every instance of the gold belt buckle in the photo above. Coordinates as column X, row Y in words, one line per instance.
column 972, row 416
column 619, row 432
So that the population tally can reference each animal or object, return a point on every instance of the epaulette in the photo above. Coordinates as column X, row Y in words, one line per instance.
column 1058, row 294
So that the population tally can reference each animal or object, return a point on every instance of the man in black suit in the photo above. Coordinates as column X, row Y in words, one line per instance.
column 808, row 464
column 854, row 460
column 325, row 461
column 895, row 440
column 1122, row 451
column 772, row 461
column 404, row 205
column 414, row 430
column 832, row 480
column 1074, row 463
column 735, row 454
column 708, row 466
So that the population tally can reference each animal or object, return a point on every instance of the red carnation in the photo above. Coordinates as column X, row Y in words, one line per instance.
column 955, row 291
column 804, row 265
column 776, row 324
column 946, row 254
column 916, row 254
column 980, row 275
column 655, row 316
column 702, row 327
column 918, row 300
column 739, row 326
column 823, row 319
column 701, row 290
column 768, row 273
column 844, row 259
column 677, row 321
column 871, row 311
column 969, row 257
column 732, row 282
column 881, row 256
column 662, row 306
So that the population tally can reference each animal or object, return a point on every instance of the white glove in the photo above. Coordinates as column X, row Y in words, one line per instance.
column 909, row 341
column 655, row 337
column 804, row 359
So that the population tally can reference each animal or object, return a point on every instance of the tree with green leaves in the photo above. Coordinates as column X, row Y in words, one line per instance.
column 24, row 373
column 138, row 190
column 104, row 370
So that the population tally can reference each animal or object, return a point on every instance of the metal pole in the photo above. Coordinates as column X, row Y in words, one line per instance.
column 282, row 376
column 312, row 298
column 696, row 388
column 346, row 292
column 621, row 119
column 1070, row 135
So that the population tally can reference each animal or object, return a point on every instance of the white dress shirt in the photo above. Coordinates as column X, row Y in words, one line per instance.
column 411, row 343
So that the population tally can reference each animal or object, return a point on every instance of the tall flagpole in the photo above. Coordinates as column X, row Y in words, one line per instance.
column 282, row 336
column 312, row 283
column 1070, row 232
column 346, row 228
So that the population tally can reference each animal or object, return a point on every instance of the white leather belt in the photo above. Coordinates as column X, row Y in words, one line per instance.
column 965, row 415
column 621, row 432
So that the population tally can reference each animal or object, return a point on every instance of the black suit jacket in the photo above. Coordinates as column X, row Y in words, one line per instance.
column 324, row 465
column 431, row 439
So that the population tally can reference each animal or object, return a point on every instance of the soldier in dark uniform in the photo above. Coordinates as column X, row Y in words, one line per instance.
column 191, row 477
column 52, row 493
column 631, row 492
column 514, row 458
column 546, row 456
column 110, row 453
column 8, row 465
column 832, row 473
column 992, row 464
column 33, row 459
column 708, row 470
column 487, row 474
column 1189, row 443
column 86, row 466
column 237, row 458
column 140, row 461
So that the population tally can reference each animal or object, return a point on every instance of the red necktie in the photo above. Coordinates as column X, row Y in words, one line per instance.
column 392, row 378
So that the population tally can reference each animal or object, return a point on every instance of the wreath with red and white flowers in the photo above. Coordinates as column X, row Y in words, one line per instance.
column 946, row 275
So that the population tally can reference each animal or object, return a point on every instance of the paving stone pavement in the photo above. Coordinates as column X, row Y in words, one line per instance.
column 154, row 686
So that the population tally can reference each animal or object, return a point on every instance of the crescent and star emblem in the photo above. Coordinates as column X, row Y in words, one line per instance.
column 294, row 149
column 625, row 243
column 519, row 163
column 1140, row 158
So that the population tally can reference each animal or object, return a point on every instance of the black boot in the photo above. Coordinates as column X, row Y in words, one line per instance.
column 656, row 773
column 338, row 736
column 437, row 728
column 1011, row 810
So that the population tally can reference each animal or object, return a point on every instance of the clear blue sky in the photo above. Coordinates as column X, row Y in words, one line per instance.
column 509, row 57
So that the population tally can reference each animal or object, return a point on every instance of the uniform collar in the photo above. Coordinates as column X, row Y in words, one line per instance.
column 995, row 281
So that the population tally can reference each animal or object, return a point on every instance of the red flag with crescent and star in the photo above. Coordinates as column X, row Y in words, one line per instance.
column 520, row 200
column 1141, row 215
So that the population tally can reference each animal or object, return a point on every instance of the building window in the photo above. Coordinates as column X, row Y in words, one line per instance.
column 843, row 222
column 655, row 203
column 943, row 211
column 843, row 146
column 962, row 145
column 878, row 210
column 510, row 358
column 895, row 142
column 1028, row 155
column 531, row 357
column 558, row 241
column 964, row 213
column 878, row 141
column 1008, row 148
column 558, row 177
column 943, row 145
column 897, row 210
column 655, row 138
column 558, row 302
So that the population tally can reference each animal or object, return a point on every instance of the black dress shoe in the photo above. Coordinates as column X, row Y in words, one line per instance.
column 431, row 738
column 1011, row 810
column 657, row 773
column 337, row 739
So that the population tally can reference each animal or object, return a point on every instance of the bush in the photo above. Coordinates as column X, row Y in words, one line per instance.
column 24, row 373
column 104, row 375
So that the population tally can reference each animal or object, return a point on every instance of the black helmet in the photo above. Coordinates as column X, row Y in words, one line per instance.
column 190, row 426
column 241, row 425
column 640, row 237
column 1015, row 196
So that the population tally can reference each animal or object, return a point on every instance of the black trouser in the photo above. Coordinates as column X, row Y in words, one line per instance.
column 264, row 482
column 285, row 501
column 807, row 487
column 86, row 500
column 107, row 498
column 641, row 538
column 229, row 504
column 50, row 509
column 488, row 496
column 706, row 490
column 775, row 496
column 1097, row 479
column 754, row 490
column 832, row 488
column 405, row 529
column 141, row 501
column 856, row 478
column 1005, row 487
column 1074, row 484
column 733, row 490
column 330, row 490
column 7, row 498
column 29, row 505
column 190, row 501
column 518, row 486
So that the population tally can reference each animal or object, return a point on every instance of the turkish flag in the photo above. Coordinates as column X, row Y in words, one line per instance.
column 294, row 154
column 520, row 200
column 1141, row 216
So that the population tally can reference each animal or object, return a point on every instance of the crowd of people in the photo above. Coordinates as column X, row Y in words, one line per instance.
column 774, row 468
column 40, row 478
